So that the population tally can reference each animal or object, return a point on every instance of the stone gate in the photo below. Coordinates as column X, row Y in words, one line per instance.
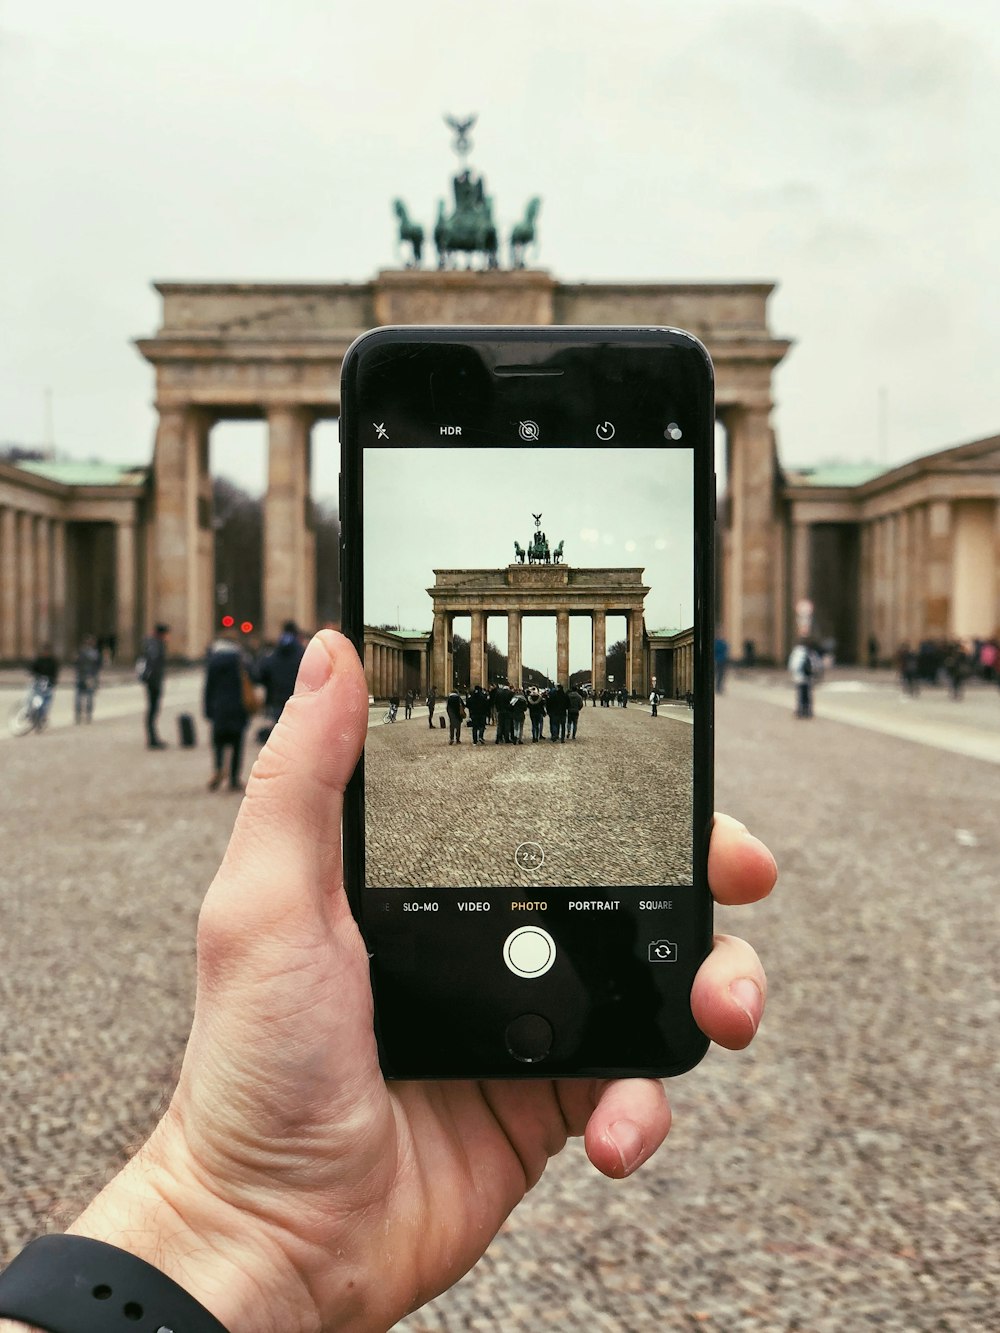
column 273, row 351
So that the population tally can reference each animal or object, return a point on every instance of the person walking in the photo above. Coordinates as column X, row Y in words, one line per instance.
column 574, row 705
column 431, row 705
column 45, row 669
column 225, row 709
column 721, row 655
column 152, row 670
column 88, row 669
column 654, row 700
column 803, row 664
column 408, row 705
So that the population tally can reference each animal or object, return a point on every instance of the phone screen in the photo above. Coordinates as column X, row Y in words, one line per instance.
column 529, row 639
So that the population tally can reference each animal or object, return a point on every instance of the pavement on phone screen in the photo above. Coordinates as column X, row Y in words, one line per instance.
column 840, row 1174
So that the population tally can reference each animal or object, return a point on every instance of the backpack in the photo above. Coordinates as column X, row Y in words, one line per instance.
column 142, row 669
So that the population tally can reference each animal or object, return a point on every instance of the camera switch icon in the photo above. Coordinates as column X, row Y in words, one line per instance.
column 662, row 951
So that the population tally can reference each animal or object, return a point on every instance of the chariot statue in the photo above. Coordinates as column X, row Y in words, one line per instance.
column 466, row 225
column 469, row 229
column 538, row 551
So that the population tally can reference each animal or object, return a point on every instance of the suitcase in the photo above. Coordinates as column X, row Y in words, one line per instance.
column 185, row 728
column 441, row 723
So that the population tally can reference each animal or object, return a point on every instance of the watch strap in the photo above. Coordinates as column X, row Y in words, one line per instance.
column 71, row 1284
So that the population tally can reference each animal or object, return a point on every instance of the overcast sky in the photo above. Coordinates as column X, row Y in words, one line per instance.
column 632, row 509
column 846, row 151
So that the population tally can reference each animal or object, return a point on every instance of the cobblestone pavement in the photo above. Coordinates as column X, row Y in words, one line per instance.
column 454, row 815
column 839, row 1175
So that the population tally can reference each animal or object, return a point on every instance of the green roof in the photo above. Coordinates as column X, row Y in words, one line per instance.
column 834, row 474
column 69, row 472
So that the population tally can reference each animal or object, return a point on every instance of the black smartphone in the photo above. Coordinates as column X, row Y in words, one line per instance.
column 527, row 566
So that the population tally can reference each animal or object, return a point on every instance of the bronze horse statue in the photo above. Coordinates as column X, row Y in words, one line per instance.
column 519, row 552
column 409, row 232
column 523, row 233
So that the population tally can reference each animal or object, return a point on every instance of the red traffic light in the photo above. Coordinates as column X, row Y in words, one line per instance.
column 228, row 622
column 246, row 627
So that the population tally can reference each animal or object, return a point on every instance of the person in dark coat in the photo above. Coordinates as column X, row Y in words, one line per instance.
column 225, row 709
column 478, row 708
column 557, row 706
column 154, row 665
column 455, row 709
column 278, row 670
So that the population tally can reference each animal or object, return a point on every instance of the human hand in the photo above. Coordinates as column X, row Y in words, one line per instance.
column 288, row 1186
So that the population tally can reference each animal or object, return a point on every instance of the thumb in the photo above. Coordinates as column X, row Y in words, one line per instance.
column 283, row 863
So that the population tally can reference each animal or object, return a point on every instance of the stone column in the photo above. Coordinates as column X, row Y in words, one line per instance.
column 477, row 649
column 182, row 573
column 43, row 576
column 26, row 645
column 439, row 653
column 562, row 647
column 514, row 649
column 126, row 583
column 370, row 665
column 635, row 677
column 599, row 663
column 939, row 561
column 8, row 584
column 289, row 582
column 801, row 534
column 60, row 633
column 749, row 592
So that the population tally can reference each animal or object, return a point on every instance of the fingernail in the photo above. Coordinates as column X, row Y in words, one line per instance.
column 315, row 667
column 747, row 995
column 626, row 1139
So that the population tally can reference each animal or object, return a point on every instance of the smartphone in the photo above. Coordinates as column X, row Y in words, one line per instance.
column 527, row 567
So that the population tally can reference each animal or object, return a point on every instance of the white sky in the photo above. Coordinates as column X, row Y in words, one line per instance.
column 845, row 150
column 632, row 507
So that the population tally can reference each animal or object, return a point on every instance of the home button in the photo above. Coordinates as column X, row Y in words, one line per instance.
column 529, row 1038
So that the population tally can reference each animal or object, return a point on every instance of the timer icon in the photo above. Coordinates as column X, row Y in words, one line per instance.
column 606, row 431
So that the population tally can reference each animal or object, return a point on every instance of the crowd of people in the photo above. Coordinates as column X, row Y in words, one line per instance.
column 947, row 661
column 511, row 711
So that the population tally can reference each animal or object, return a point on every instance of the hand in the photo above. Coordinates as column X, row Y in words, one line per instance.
column 288, row 1187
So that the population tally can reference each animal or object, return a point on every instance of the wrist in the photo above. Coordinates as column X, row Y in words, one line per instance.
column 157, row 1209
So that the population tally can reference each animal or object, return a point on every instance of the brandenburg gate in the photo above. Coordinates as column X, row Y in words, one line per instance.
column 273, row 352
column 538, row 590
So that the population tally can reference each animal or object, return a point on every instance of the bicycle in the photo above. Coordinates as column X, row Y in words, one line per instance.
column 32, row 712
column 391, row 711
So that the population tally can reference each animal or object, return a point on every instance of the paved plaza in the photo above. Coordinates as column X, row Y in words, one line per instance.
column 839, row 1175
column 612, row 806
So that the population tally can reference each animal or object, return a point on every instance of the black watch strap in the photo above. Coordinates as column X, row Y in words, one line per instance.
column 69, row 1284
